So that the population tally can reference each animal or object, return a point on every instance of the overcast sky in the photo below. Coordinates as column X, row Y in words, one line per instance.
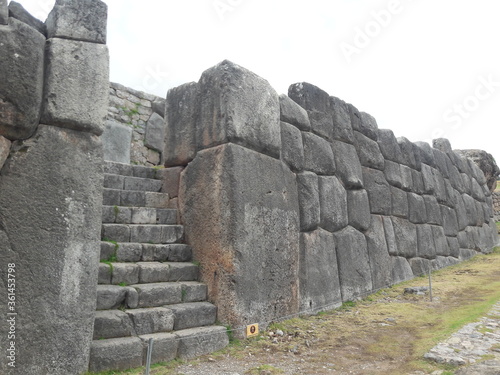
column 423, row 68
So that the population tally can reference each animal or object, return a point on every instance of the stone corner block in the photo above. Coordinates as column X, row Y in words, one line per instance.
column 241, row 108
column 77, row 79
column 83, row 20
column 21, row 75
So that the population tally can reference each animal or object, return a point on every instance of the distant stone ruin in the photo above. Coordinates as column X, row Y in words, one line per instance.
column 279, row 204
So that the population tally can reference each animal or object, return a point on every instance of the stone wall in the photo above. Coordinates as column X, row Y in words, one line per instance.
column 294, row 204
column 135, row 126
column 53, row 102
column 496, row 205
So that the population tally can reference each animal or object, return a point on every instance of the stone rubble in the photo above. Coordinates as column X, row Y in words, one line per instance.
column 473, row 342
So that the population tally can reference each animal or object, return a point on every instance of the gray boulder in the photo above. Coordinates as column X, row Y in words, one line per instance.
column 433, row 210
column 486, row 163
column 181, row 124
column 55, row 226
column 84, row 20
column 155, row 133
column 406, row 237
column 66, row 99
column 450, row 221
column 21, row 74
column 417, row 209
column 318, row 155
column 309, row 203
column 400, row 270
column 353, row 264
column 333, row 202
column 407, row 152
column 378, row 190
column 310, row 97
column 369, row 152
column 246, row 280
column 319, row 286
column 293, row 113
column 399, row 202
column 378, row 253
column 292, row 148
column 440, row 241
column 17, row 11
column 240, row 107
column 358, row 208
column 426, row 246
column 389, row 145
column 369, row 126
column 322, row 124
column 116, row 141
column 425, row 153
column 348, row 165
column 342, row 129
column 390, row 236
column 158, row 106
column 393, row 173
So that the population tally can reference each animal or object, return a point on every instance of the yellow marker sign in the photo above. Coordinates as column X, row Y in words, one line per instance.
column 252, row 330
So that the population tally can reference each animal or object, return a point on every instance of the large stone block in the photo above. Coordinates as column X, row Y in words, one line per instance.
column 440, row 192
column 406, row 237
column 429, row 180
column 318, row 155
column 310, row 97
column 333, row 203
column 342, row 129
column 425, row 153
column 399, row 202
column 4, row 12
column 369, row 126
column 76, row 79
column 21, row 74
column 442, row 162
column 470, row 209
column 406, row 178
column 293, row 113
column 319, row 286
column 353, row 263
column 378, row 253
column 348, row 165
column 420, row 266
column 292, row 152
column 379, row 192
column 425, row 239
column 401, row 270
column 182, row 108
column 309, row 203
column 116, row 141
column 440, row 241
column 450, row 221
column 393, row 173
column 433, row 210
column 244, row 232
column 389, row 145
column 408, row 153
column 417, row 209
column 83, row 20
column 240, row 107
column 155, row 133
column 358, row 208
column 390, row 236
column 369, row 152
column 50, row 209
column 322, row 124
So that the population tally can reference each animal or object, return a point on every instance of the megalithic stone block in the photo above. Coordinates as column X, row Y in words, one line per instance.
column 21, row 77
column 389, row 145
column 292, row 152
column 342, row 129
column 406, row 237
column 17, row 11
column 310, row 97
column 318, row 155
column 244, row 231
column 333, row 202
column 348, row 165
column 181, row 120
column 319, row 286
column 4, row 12
column 84, row 20
column 240, row 107
column 53, row 222
column 155, row 133
column 353, row 263
column 5, row 150
column 379, row 192
column 369, row 152
column 358, row 207
column 309, row 202
column 76, row 79
column 116, row 141
column 293, row 113
column 378, row 253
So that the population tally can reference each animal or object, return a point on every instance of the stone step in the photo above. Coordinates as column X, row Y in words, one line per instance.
column 129, row 170
column 138, row 215
column 146, row 272
column 130, row 352
column 137, row 252
column 116, row 181
column 191, row 315
column 111, row 297
column 132, row 198
column 142, row 233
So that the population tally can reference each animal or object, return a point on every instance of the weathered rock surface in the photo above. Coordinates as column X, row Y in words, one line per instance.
column 358, row 209
column 155, row 133
column 318, row 155
column 333, row 203
column 353, row 264
column 116, row 142
column 59, row 211
column 4, row 150
column 348, row 165
column 293, row 113
column 84, row 20
column 4, row 12
column 236, row 246
column 378, row 253
column 17, row 11
column 309, row 201
column 319, row 286
column 67, row 100
column 292, row 152
column 21, row 74
column 379, row 191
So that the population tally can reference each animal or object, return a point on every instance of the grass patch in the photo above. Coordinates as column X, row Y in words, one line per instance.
column 267, row 369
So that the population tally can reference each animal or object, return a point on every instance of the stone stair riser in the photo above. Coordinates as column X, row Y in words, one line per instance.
column 138, row 215
column 137, row 252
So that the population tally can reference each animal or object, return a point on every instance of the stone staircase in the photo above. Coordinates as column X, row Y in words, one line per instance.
column 148, row 284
